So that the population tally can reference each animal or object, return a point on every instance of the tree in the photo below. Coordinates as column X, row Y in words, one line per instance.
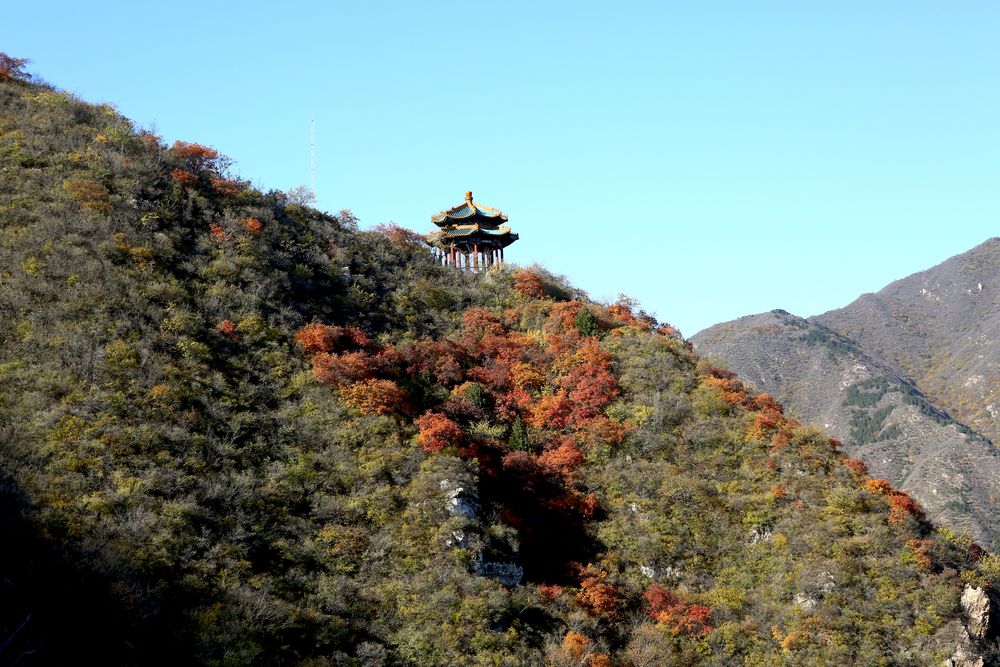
column 518, row 440
column 301, row 196
column 184, row 178
column 253, row 225
column 596, row 594
column 374, row 397
column 438, row 432
column 198, row 158
column 13, row 68
column 587, row 324
column 401, row 237
column 529, row 284
column 317, row 337
column 671, row 611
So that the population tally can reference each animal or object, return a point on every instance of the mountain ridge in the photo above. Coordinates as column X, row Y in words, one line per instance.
column 924, row 312
column 874, row 344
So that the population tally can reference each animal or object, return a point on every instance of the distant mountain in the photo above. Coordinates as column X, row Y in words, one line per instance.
column 942, row 327
column 873, row 407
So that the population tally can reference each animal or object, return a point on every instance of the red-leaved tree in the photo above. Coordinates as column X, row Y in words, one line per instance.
column 438, row 432
column 13, row 68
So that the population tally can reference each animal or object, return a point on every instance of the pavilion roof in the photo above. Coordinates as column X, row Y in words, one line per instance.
column 465, row 234
column 469, row 212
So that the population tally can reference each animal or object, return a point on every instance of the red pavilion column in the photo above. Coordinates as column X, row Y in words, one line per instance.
column 475, row 256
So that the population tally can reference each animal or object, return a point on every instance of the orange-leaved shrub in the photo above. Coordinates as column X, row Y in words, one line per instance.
column 671, row 611
column 438, row 431
column 596, row 594
column 375, row 397
column 529, row 284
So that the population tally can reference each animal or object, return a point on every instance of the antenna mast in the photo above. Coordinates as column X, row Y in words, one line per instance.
column 312, row 155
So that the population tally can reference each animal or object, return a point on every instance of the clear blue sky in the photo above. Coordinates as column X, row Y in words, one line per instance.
column 710, row 159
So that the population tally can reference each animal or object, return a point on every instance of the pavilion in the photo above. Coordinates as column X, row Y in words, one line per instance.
column 470, row 236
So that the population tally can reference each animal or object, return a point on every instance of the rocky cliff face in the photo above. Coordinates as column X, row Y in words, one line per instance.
column 908, row 378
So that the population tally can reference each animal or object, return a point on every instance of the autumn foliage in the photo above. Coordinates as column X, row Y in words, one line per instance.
column 681, row 618
column 597, row 594
column 218, row 233
column 878, row 486
column 226, row 186
column 184, row 178
column 12, row 68
column 195, row 156
column 498, row 388
column 90, row 194
column 437, row 432
column 575, row 644
column 856, row 465
column 902, row 507
column 253, row 225
column 374, row 397
column 227, row 328
column 319, row 337
column 401, row 237
column 529, row 284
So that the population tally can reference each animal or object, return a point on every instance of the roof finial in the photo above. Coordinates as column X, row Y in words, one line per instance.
column 468, row 196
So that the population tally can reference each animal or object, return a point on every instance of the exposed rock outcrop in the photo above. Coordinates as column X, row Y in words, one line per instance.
column 508, row 574
column 461, row 501
column 978, row 613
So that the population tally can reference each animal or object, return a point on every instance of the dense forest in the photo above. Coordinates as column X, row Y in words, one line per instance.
column 236, row 430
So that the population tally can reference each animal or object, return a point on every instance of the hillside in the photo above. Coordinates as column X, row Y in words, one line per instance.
column 236, row 430
column 942, row 327
column 872, row 407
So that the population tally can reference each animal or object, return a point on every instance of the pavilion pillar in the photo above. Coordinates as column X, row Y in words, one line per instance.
column 475, row 256
column 501, row 255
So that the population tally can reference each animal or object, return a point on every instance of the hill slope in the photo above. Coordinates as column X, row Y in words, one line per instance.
column 234, row 430
column 942, row 327
column 873, row 408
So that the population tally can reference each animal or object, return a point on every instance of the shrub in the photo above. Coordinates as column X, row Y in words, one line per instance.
column 317, row 337
column 253, row 225
column 587, row 324
column 90, row 194
column 596, row 594
column 184, row 178
column 878, row 486
column 401, row 237
column 374, row 397
column 227, row 328
column 529, row 284
column 857, row 466
column 438, row 432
